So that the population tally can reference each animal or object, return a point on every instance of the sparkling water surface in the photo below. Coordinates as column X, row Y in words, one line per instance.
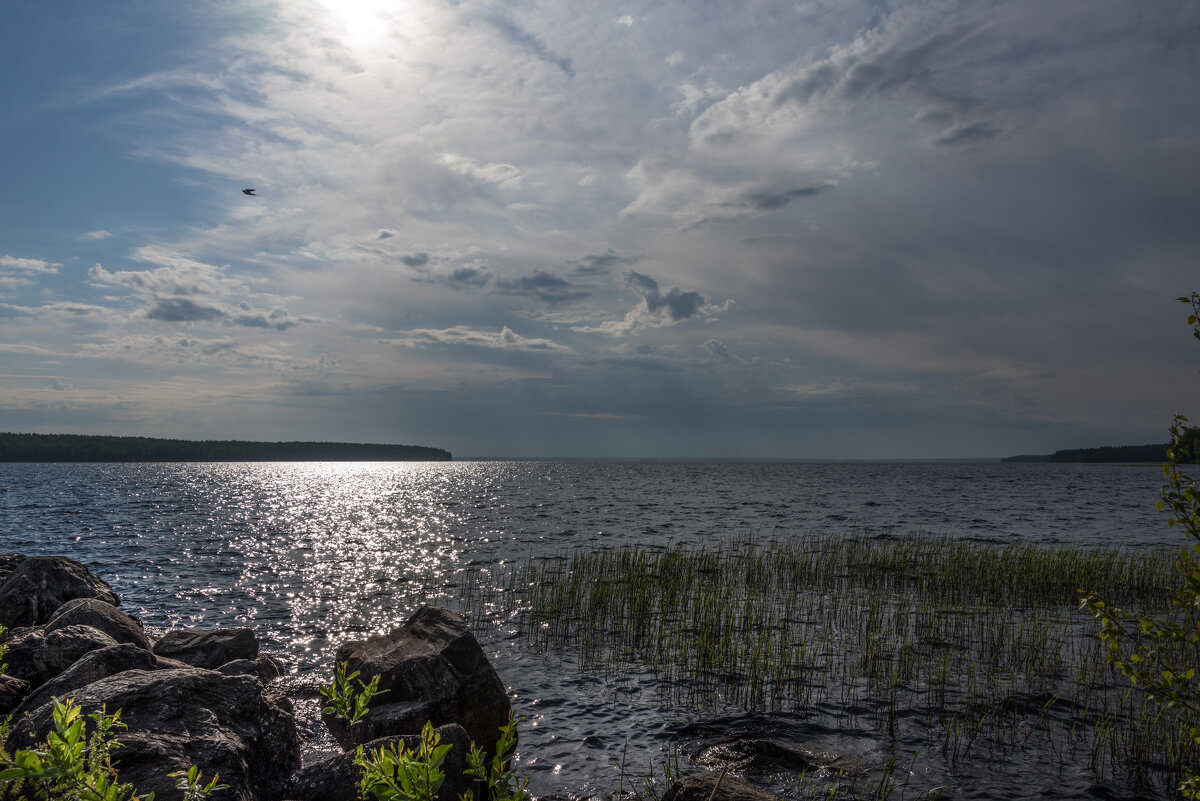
column 312, row 554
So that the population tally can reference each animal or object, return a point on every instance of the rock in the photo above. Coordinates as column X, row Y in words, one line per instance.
column 268, row 667
column 97, row 614
column 701, row 788
column 22, row 645
column 90, row 668
column 38, row 585
column 8, row 563
column 336, row 778
column 433, row 669
column 63, row 647
column 239, row 667
column 208, row 649
column 177, row 718
column 12, row 692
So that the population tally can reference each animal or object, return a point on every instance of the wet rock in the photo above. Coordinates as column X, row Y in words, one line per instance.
column 433, row 669
column 62, row 648
column 98, row 614
column 38, row 585
column 12, row 692
column 90, row 668
column 715, row 787
column 208, row 649
column 177, row 718
column 336, row 778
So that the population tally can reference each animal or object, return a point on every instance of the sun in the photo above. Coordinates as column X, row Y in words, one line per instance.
column 361, row 22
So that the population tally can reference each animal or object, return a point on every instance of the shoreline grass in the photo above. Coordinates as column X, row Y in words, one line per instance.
column 978, row 646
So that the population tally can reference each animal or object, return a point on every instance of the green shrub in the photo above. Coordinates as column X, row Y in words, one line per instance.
column 344, row 701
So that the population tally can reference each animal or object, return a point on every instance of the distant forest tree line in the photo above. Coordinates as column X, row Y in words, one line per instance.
column 1187, row 452
column 86, row 448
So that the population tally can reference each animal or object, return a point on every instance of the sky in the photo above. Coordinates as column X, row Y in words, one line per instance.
column 817, row 229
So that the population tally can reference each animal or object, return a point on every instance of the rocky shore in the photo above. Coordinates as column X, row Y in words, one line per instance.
column 210, row 698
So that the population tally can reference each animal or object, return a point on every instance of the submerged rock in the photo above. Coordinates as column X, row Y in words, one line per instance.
column 208, row 649
column 433, row 670
column 715, row 787
column 39, row 585
column 177, row 718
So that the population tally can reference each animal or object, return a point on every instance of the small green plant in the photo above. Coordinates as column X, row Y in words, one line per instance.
column 1160, row 653
column 498, row 775
column 193, row 786
column 71, row 765
column 395, row 772
column 345, row 702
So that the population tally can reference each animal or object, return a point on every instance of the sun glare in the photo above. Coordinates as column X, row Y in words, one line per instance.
column 361, row 22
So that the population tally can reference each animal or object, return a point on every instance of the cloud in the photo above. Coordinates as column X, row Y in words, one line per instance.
column 182, row 310
column 545, row 286
column 37, row 266
column 97, row 236
column 603, row 263
column 58, row 385
column 415, row 259
column 515, row 34
column 505, row 339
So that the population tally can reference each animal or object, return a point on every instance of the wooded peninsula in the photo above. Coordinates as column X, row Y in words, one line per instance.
column 89, row 448
column 1186, row 453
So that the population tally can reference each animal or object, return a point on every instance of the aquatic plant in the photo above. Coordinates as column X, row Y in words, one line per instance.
column 977, row 648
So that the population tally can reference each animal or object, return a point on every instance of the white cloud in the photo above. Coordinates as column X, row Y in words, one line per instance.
column 505, row 339
column 36, row 266
column 97, row 236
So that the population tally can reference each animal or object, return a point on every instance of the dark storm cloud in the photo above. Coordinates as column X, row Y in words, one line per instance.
column 181, row 310
column 769, row 201
column 468, row 277
column 546, row 287
column 677, row 304
column 602, row 264
column 416, row 259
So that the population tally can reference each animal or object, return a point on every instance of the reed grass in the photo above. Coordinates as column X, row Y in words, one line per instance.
column 981, row 645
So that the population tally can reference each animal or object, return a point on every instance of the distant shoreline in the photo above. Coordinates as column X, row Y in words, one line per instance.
column 41, row 448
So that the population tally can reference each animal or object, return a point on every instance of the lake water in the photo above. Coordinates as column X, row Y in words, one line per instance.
column 312, row 554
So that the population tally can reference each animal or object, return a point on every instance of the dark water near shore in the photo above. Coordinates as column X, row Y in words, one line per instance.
column 310, row 555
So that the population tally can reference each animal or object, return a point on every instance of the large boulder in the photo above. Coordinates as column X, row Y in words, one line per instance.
column 715, row 787
column 89, row 668
column 433, row 670
column 38, row 585
column 176, row 718
column 208, row 649
column 100, row 615
column 336, row 778
column 62, row 648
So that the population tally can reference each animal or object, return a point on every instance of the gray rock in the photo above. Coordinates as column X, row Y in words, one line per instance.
column 12, row 692
column 239, row 667
column 38, row 585
column 62, row 648
column 269, row 667
column 90, row 668
column 177, row 718
column 727, row 788
column 336, row 778
column 208, row 649
column 22, row 645
column 8, row 563
column 433, row 669
column 98, row 614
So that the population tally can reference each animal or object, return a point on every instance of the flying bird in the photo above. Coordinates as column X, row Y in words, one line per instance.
column 248, row 192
